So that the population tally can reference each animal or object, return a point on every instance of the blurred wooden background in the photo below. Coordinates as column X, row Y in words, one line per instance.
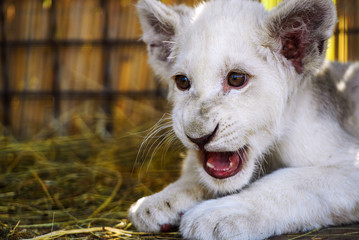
column 71, row 66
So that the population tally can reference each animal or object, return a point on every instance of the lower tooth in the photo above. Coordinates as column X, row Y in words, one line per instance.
column 210, row 165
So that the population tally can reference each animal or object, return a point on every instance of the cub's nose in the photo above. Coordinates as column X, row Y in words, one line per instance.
column 202, row 141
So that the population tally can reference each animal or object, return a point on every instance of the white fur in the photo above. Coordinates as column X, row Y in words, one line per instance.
column 281, row 114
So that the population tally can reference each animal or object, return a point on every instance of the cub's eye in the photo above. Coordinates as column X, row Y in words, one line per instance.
column 238, row 80
column 182, row 82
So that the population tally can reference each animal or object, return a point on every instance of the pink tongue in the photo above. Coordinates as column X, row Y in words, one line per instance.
column 222, row 164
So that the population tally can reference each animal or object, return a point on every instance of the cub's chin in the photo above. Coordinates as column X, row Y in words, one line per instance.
column 226, row 172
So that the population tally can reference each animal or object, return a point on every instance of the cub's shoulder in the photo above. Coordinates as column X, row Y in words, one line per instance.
column 337, row 89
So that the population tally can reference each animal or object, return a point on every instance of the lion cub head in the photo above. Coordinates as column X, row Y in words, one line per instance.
column 231, row 69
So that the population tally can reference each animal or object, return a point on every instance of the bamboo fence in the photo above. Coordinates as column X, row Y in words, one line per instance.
column 61, row 58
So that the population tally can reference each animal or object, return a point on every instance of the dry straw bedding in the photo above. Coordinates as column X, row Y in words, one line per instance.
column 81, row 187
column 76, row 187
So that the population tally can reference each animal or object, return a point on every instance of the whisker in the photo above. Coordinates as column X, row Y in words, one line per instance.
column 152, row 147
column 154, row 135
column 155, row 151
column 170, row 140
column 159, row 126
column 161, row 135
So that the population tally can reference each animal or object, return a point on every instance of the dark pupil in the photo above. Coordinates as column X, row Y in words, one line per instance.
column 182, row 82
column 237, row 79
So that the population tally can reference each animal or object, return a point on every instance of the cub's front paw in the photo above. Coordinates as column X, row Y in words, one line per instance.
column 220, row 219
column 156, row 213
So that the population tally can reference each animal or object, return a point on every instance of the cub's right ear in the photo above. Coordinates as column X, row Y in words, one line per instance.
column 160, row 24
column 300, row 30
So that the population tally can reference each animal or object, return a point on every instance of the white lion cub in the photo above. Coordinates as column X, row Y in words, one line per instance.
column 268, row 133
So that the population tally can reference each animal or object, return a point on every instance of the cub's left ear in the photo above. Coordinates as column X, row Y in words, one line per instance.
column 300, row 30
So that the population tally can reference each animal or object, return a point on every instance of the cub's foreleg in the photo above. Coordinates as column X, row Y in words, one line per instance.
column 163, row 211
column 288, row 200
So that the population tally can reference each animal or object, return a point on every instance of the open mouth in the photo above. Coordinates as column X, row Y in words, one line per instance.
column 223, row 164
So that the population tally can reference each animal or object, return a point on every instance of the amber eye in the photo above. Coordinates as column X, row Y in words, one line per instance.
column 236, row 79
column 182, row 82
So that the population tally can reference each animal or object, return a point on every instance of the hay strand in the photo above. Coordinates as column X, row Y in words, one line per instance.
column 36, row 176
column 109, row 199
column 106, row 233
column 60, row 233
